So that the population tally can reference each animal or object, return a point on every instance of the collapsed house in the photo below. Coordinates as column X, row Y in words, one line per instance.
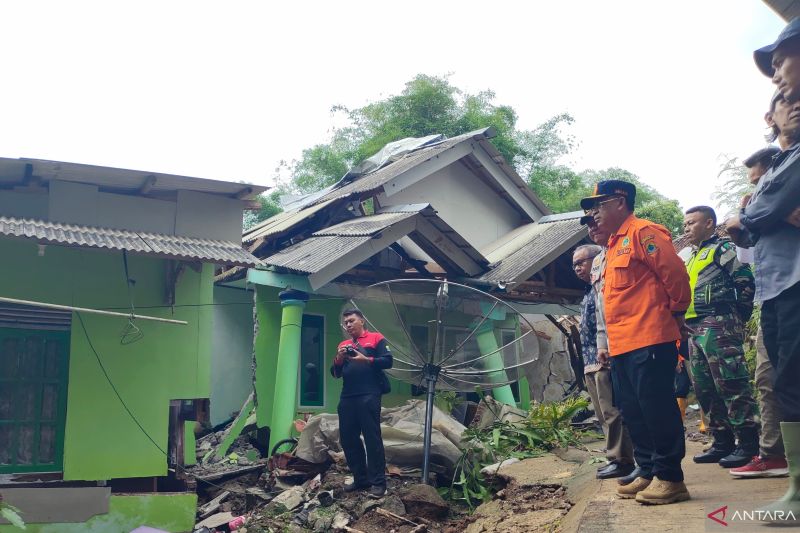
column 96, row 408
column 421, row 208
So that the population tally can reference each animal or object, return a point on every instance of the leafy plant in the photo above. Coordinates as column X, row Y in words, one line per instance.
column 447, row 400
column 12, row 514
column 547, row 426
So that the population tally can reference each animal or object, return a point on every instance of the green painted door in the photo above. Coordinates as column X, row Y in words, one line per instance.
column 33, row 399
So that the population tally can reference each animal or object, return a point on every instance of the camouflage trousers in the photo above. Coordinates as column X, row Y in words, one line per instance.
column 720, row 376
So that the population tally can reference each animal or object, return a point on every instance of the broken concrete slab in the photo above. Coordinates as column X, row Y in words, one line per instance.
column 291, row 498
column 215, row 521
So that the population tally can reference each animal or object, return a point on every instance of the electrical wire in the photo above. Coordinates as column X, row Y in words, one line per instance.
column 133, row 417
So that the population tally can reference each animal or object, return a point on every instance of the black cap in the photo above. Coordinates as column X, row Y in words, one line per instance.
column 763, row 56
column 608, row 188
column 764, row 154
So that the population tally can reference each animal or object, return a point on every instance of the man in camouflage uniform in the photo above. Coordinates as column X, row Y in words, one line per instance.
column 722, row 302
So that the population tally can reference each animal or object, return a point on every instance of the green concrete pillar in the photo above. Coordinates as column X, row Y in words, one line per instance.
column 283, row 404
column 487, row 343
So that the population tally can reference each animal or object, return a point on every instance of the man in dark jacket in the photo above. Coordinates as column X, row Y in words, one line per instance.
column 360, row 362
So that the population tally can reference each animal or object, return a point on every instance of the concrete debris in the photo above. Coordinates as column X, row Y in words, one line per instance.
column 340, row 520
column 215, row 521
column 291, row 499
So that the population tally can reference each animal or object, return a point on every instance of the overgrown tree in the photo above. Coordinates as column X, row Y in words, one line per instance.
column 432, row 105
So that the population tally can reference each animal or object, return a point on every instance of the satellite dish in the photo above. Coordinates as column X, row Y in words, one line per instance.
column 447, row 336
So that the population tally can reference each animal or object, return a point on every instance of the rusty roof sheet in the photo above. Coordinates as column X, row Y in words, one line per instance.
column 315, row 253
column 547, row 241
column 173, row 246
column 369, row 225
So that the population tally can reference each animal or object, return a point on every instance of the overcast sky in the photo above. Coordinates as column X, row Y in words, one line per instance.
column 226, row 90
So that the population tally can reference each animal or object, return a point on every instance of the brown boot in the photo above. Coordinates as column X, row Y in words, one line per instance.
column 630, row 490
column 661, row 492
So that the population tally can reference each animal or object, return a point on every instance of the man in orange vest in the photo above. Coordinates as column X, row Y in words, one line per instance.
column 646, row 295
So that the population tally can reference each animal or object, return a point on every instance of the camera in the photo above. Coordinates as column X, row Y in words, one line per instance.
column 349, row 350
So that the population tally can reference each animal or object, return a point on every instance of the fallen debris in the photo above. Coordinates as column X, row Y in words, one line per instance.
column 424, row 501
column 215, row 521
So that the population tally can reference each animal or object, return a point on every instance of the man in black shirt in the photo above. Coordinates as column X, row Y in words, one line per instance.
column 360, row 362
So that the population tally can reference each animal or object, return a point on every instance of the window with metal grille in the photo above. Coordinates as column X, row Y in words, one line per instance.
column 33, row 398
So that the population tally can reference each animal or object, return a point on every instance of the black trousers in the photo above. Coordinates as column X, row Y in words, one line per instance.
column 361, row 415
column 780, row 324
column 644, row 388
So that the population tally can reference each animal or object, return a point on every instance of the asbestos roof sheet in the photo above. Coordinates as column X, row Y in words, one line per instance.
column 315, row 253
column 369, row 225
column 282, row 222
column 173, row 246
column 545, row 242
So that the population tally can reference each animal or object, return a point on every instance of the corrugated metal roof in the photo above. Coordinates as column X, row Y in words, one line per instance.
column 187, row 248
column 282, row 222
column 315, row 253
column 369, row 225
column 13, row 171
column 550, row 238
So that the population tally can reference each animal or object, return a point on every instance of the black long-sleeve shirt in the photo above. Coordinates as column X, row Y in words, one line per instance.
column 360, row 377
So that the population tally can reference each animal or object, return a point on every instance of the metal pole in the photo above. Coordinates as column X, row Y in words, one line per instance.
column 91, row 311
column 431, row 374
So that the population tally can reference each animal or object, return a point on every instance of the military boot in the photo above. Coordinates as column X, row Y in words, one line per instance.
column 787, row 509
column 722, row 447
column 746, row 449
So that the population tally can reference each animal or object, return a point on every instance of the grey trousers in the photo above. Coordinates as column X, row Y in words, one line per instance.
column 619, row 448
column 771, row 443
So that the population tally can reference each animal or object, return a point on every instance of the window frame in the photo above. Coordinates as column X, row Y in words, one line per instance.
column 322, row 369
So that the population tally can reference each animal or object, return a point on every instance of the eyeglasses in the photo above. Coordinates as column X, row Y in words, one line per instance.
column 596, row 207
column 579, row 262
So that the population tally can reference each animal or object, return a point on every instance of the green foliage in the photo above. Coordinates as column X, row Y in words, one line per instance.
column 12, row 514
column 735, row 184
column 547, row 426
column 447, row 400
column 270, row 206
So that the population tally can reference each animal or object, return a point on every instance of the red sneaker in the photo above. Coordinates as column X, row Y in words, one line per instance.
column 763, row 467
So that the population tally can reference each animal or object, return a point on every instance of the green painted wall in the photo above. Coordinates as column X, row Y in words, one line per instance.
column 232, row 352
column 170, row 362
column 126, row 512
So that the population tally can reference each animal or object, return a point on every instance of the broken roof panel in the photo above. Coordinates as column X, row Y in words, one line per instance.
column 369, row 225
column 335, row 250
column 375, row 180
column 315, row 253
column 282, row 222
column 162, row 245
column 546, row 240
